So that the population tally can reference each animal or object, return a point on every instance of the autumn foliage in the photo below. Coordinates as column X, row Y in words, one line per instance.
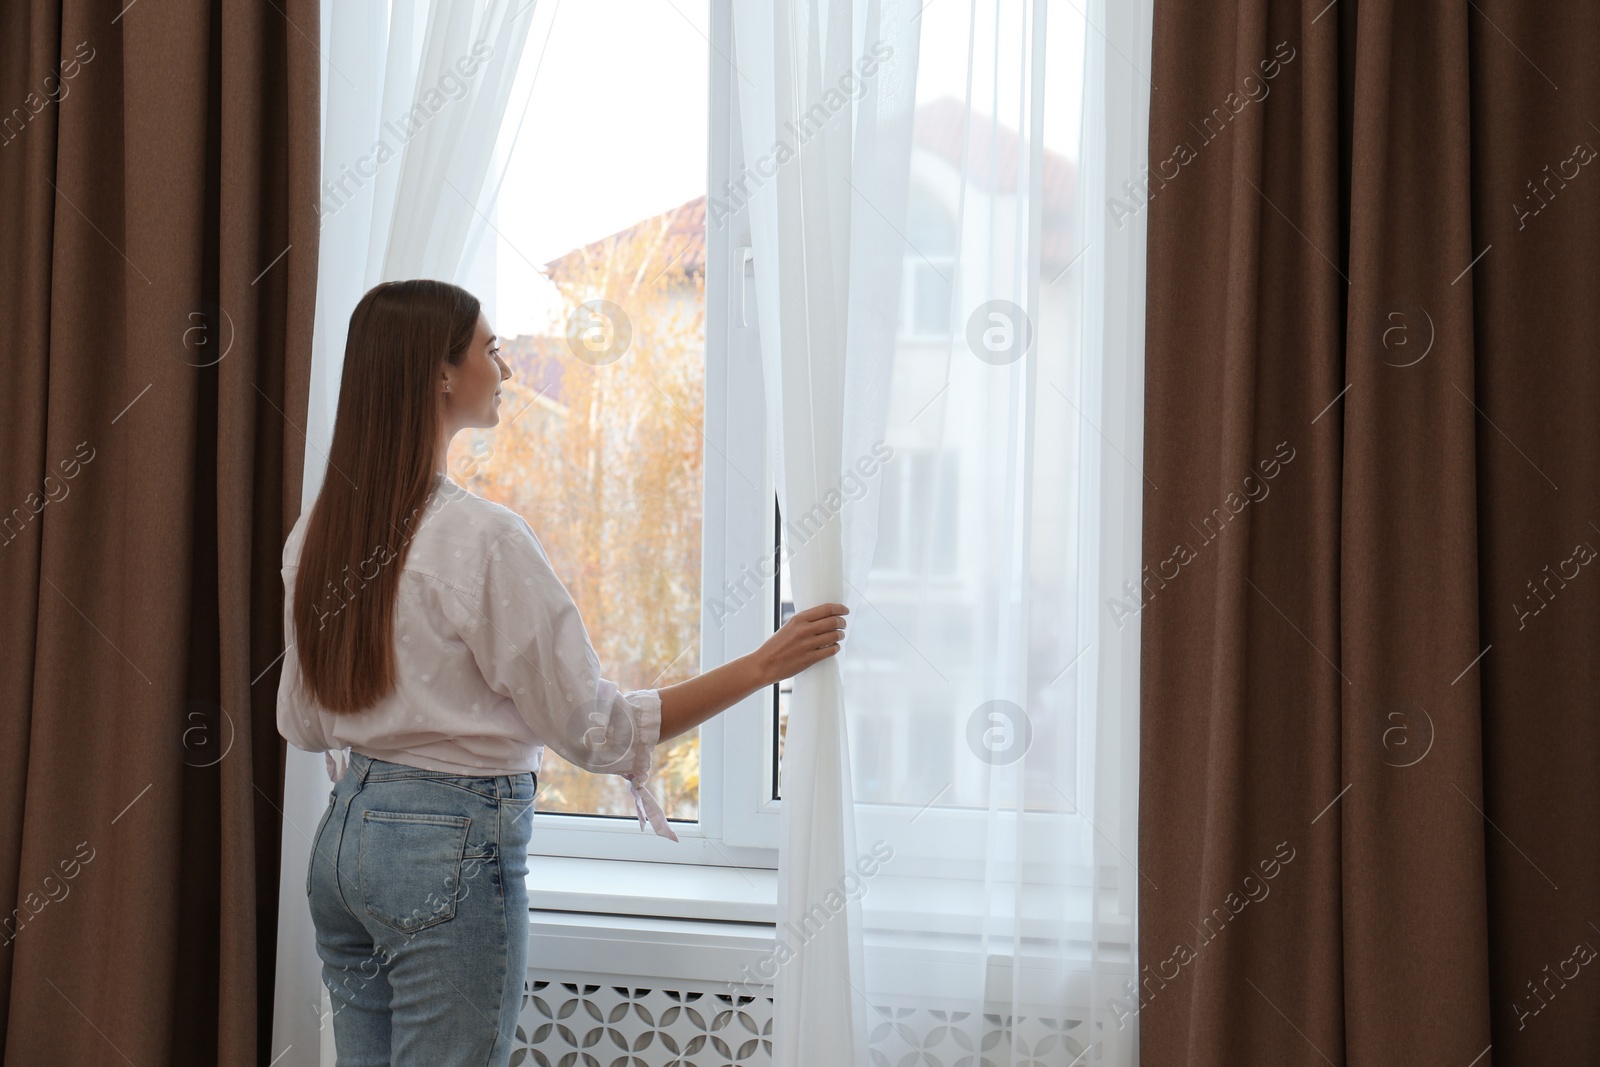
column 602, row 455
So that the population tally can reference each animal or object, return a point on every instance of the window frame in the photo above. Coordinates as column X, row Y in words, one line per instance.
column 940, row 462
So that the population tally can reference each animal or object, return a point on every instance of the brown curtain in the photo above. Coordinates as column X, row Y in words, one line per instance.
column 1370, row 781
column 158, row 178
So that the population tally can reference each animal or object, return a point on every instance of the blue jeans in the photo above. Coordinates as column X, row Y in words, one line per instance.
column 418, row 893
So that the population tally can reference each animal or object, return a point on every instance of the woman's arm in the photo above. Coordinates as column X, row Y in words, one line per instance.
column 808, row 636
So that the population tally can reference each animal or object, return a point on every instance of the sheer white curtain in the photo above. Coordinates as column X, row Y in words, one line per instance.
column 951, row 311
column 413, row 149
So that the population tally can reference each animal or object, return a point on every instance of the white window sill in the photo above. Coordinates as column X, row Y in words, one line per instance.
column 693, row 891
column 747, row 896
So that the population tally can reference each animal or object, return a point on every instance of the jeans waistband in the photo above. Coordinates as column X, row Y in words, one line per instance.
column 368, row 769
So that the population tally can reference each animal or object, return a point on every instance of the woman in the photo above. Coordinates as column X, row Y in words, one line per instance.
column 430, row 639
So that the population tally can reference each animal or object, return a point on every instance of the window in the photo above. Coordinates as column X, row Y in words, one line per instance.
column 930, row 266
column 634, row 438
column 926, row 625
column 911, row 539
column 915, row 539
column 632, row 433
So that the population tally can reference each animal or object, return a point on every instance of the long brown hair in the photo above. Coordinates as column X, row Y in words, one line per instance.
column 380, row 474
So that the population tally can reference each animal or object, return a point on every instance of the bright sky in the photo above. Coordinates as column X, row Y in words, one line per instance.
column 615, row 129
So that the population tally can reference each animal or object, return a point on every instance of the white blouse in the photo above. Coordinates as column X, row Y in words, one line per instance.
column 492, row 662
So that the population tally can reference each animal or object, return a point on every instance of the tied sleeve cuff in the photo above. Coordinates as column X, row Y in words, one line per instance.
column 648, row 809
column 646, row 736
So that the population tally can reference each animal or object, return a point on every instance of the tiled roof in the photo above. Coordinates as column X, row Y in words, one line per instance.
column 992, row 165
column 994, row 149
column 679, row 237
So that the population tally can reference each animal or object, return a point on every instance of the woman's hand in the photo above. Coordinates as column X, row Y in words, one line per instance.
column 810, row 635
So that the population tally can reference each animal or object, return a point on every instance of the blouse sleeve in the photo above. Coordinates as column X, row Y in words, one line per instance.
column 531, row 646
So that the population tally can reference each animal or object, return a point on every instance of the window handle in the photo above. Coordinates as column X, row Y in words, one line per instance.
column 747, row 258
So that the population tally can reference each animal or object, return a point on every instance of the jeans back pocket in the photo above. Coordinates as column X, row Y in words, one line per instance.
column 410, row 867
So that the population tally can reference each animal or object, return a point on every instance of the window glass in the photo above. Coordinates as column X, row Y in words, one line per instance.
column 599, row 299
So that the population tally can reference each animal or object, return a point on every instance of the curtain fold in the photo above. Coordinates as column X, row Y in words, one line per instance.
column 801, row 237
column 415, row 97
column 159, row 164
column 1412, row 843
column 1367, row 700
column 949, row 333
